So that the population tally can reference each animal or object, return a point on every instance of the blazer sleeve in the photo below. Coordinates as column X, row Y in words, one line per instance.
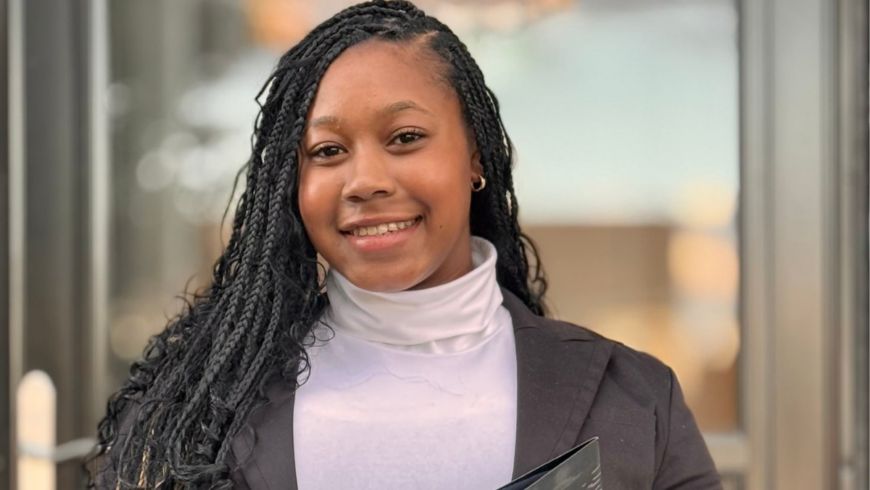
column 685, row 462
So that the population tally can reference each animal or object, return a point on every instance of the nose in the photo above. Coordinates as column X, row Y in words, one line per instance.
column 369, row 176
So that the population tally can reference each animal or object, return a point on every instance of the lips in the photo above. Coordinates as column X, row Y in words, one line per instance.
column 383, row 239
column 383, row 228
column 376, row 224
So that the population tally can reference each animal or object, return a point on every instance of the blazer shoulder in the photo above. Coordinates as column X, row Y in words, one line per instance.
column 637, row 387
column 654, row 373
column 567, row 331
column 638, row 372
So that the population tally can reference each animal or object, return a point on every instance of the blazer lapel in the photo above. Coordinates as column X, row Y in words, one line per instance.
column 263, row 451
column 559, row 368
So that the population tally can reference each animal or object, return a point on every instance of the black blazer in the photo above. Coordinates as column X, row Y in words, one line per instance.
column 572, row 385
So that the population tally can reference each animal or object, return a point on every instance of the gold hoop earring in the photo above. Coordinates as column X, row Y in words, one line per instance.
column 482, row 183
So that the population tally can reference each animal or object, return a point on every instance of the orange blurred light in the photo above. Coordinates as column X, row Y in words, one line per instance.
column 703, row 264
column 278, row 24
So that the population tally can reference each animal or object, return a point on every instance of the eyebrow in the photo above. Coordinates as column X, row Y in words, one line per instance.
column 401, row 106
column 389, row 110
column 323, row 121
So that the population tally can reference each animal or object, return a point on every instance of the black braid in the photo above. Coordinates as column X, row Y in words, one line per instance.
column 201, row 378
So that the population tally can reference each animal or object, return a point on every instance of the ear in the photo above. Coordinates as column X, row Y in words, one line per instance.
column 476, row 166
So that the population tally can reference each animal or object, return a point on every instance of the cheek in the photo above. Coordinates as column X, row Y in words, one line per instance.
column 446, row 192
column 315, row 203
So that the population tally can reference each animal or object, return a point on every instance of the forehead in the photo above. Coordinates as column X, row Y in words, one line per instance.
column 378, row 73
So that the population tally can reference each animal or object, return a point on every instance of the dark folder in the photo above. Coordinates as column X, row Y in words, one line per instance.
column 578, row 468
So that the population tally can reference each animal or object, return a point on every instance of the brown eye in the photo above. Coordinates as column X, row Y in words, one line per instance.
column 326, row 151
column 408, row 137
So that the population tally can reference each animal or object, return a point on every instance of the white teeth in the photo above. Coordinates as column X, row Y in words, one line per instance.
column 382, row 228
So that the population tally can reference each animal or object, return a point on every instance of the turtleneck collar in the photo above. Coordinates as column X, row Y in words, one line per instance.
column 452, row 317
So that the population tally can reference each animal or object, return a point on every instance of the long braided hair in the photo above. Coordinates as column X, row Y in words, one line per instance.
column 199, row 380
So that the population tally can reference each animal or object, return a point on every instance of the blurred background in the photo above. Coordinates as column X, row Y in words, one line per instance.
column 694, row 172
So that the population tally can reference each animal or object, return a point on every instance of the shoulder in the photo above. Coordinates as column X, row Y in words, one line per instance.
column 638, row 399
column 638, row 368
column 631, row 386
column 635, row 369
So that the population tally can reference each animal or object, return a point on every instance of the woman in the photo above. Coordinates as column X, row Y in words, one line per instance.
column 422, row 358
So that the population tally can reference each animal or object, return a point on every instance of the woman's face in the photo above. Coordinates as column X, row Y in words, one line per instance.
column 386, row 167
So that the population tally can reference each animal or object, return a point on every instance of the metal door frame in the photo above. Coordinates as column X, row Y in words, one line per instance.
column 74, row 61
column 13, row 209
column 804, row 243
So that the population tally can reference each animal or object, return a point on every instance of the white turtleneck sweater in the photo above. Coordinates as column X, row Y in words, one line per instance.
column 417, row 389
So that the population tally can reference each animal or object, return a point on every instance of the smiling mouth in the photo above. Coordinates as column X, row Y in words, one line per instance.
column 383, row 228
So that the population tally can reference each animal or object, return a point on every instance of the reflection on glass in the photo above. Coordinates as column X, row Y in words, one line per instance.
column 623, row 113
